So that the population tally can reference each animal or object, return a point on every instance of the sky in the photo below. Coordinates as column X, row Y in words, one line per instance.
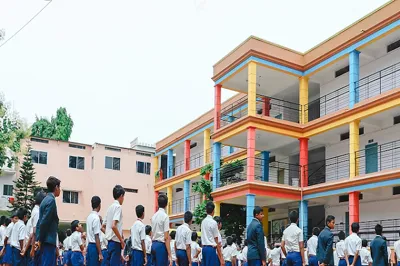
column 127, row 68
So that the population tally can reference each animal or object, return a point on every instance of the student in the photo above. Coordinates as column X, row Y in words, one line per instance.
column 256, row 254
column 353, row 245
column 2, row 235
column 195, row 250
column 389, row 251
column 113, row 226
column 183, row 241
column 229, row 252
column 104, row 243
column 244, row 253
column 292, row 243
column 209, row 238
column 161, row 247
column 172, row 235
column 325, row 243
column 67, row 248
column 397, row 252
column 235, row 246
column 219, row 255
column 138, row 237
column 148, row 244
column 93, row 226
column 378, row 248
column 18, row 237
column 47, row 225
column 341, row 251
column 275, row 255
column 365, row 255
column 312, row 244
column 77, row 244
column 6, row 253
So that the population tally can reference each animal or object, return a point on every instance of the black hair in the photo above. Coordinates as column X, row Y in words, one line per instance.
column 293, row 216
column 51, row 183
column 95, row 202
column 39, row 197
column 245, row 242
column 139, row 211
column 21, row 213
column 162, row 201
column 316, row 231
column 210, row 207
column 257, row 210
column 74, row 225
column 329, row 219
column 68, row 232
column 234, row 238
column 7, row 221
column 364, row 243
column 148, row 229
column 172, row 234
column 355, row 227
column 118, row 191
column 187, row 217
column 218, row 219
column 2, row 220
column 378, row 229
column 384, row 238
column 342, row 235
column 13, row 214
column 229, row 241
column 194, row 236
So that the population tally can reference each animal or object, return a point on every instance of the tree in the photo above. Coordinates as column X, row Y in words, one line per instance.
column 203, row 187
column 25, row 185
column 58, row 128
column 234, row 220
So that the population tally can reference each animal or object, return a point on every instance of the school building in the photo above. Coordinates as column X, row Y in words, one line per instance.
column 317, row 131
column 87, row 170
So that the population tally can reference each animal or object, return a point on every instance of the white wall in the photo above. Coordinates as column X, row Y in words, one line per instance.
column 5, row 179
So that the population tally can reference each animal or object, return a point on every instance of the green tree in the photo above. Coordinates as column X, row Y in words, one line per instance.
column 234, row 220
column 58, row 128
column 25, row 185
column 204, row 187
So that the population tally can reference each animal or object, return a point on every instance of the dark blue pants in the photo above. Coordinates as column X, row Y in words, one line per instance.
column 159, row 254
column 77, row 258
column 294, row 259
column 195, row 264
column 342, row 262
column 358, row 262
column 114, row 252
column 181, row 258
column 228, row 263
column 398, row 264
column 149, row 259
column 92, row 255
column 1, row 258
column 105, row 258
column 17, row 259
column 137, row 258
column 47, row 255
column 209, row 256
column 312, row 260
column 254, row 262
column 7, row 258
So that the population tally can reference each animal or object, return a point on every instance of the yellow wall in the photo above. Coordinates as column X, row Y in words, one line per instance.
column 354, row 142
column 252, row 88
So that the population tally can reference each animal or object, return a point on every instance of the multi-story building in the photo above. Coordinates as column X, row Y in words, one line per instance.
column 88, row 170
column 315, row 131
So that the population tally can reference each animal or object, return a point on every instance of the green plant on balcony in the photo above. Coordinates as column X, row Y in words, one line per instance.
column 229, row 172
column 157, row 175
column 206, row 169
column 204, row 187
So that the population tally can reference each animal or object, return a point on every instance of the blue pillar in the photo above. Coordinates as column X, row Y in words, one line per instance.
column 265, row 166
column 303, row 218
column 231, row 149
column 354, row 73
column 186, row 185
column 216, row 164
column 230, row 119
column 250, row 204
column 170, row 163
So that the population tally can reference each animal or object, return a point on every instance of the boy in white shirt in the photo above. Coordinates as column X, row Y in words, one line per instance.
column 94, row 255
column 275, row 256
column 353, row 245
column 209, row 238
column 195, row 250
column 397, row 253
column 2, row 235
column 183, row 240
column 18, row 237
column 219, row 243
column 229, row 253
column 341, row 251
column 292, row 243
column 244, row 252
column 172, row 247
column 161, row 247
column 148, row 243
column 138, row 236
column 366, row 259
column 77, row 245
column 6, row 253
column 312, row 244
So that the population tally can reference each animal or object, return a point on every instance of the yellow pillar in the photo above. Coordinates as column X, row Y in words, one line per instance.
column 303, row 99
column 252, row 88
column 155, row 163
column 207, row 146
column 354, row 141
column 169, row 195
column 217, row 210
column 265, row 221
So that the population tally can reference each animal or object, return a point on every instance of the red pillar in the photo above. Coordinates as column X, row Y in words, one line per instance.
column 155, row 201
column 303, row 161
column 187, row 155
column 266, row 103
column 354, row 207
column 251, row 150
column 217, row 107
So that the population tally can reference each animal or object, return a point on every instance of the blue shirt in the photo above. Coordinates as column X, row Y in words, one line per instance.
column 255, row 241
column 47, row 226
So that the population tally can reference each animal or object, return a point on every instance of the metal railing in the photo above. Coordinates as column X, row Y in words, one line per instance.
column 328, row 170
column 234, row 111
column 193, row 201
column 277, row 108
column 177, row 169
column 177, row 206
column 233, row 172
column 196, row 160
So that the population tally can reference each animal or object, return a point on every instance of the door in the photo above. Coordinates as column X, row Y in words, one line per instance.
column 371, row 158
column 281, row 176
column 346, row 223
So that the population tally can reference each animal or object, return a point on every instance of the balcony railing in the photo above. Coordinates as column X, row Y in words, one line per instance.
column 177, row 206
column 178, row 168
column 328, row 170
column 196, row 160
column 277, row 108
column 193, row 201
column 234, row 111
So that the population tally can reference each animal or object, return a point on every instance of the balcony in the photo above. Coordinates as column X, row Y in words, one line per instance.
column 191, row 201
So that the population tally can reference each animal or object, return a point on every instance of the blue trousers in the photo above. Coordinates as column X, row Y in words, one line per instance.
column 17, row 259
column 1, row 258
column 342, row 262
column 209, row 256
column 294, row 259
column 228, row 263
column 254, row 262
column 7, row 258
column 92, row 255
column 149, row 259
column 114, row 253
column 312, row 260
column 47, row 255
column 137, row 258
column 398, row 264
column 105, row 258
column 77, row 258
column 358, row 262
column 159, row 254
column 181, row 258
column 195, row 264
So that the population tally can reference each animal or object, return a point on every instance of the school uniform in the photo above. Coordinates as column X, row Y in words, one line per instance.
column 18, row 233
column 353, row 245
column 147, row 242
column 365, row 256
column 340, row 252
column 292, row 236
column 228, row 253
column 275, row 256
column 32, row 222
column 209, row 231
column 194, row 248
column 93, row 228
column 67, row 250
column 312, row 244
column 114, row 213
column 244, row 255
column 2, row 237
column 159, row 226
column 138, row 234
column 397, row 251
column 8, row 258
column 217, row 263
column 77, row 258
column 182, row 239
column 104, row 252
column 173, row 252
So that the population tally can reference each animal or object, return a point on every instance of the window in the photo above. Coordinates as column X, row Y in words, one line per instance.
column 113, row 163
column 193, row 145
column 143, row 168
column 179, row 189
column 342, row 71
column 112, row 149
column 131, row 190
column 39, row 140
column 346, row 135
column 272, row 159
column 345, row 198
column 39, row 157
column 8, row 190
column 76, row 162
column 143, row 154
column 70, row 197
column 81, row 147
column 393, row 46
column 396, row 120
column 396, row 191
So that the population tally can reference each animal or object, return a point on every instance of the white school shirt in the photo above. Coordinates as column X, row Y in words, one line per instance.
column 244, row 253
column 159, row 225
column 365, row 256
column 32, row 222
column 340, row 249
column 148, row 242
column 312, row 244
column 76, row 241
column 183, row 236
column 234, row 246
column 114, row 213
column 103, row 241
column 194, row 248
column 138, row 233
column 228, row 253
column 209, row 231
column 9, row 232
column 172, row 246
column 18, row 233
column 2, row 235
column 292, row 236
column 353, row 244
column 397, row 249
column 389, row 251
column 275, row 256
column 66, row 243
column 93, row 226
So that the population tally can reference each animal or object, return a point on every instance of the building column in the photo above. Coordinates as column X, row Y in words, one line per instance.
column 354, row 207
column 216, row 164
column 303, row 161
column 170, row 163
column 251, row 152
column 187, row 155
column 303, row 217
column 266, row 106
column 354, row 73
column 169, row 195
column 155, row 166
column 354, row 146
column 156, row 193
column 265, row 221
column 217, row 210
column 250, row 204
column 265, row 166
column 207, row 146
column 186, row 192
column 217, row 107
column 252, row 88
column 303, row 99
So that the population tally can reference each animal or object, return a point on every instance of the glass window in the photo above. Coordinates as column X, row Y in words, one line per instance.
column 72, row 162
column 81, row 163
column 77, row 162
column 113, row 163
column 8, row 190
column 39, row 157
column 70, row 197
column 143, row 168
column 109, row 162
column 116, row 163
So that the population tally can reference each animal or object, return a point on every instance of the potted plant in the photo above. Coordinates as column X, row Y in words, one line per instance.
column 230, row 170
